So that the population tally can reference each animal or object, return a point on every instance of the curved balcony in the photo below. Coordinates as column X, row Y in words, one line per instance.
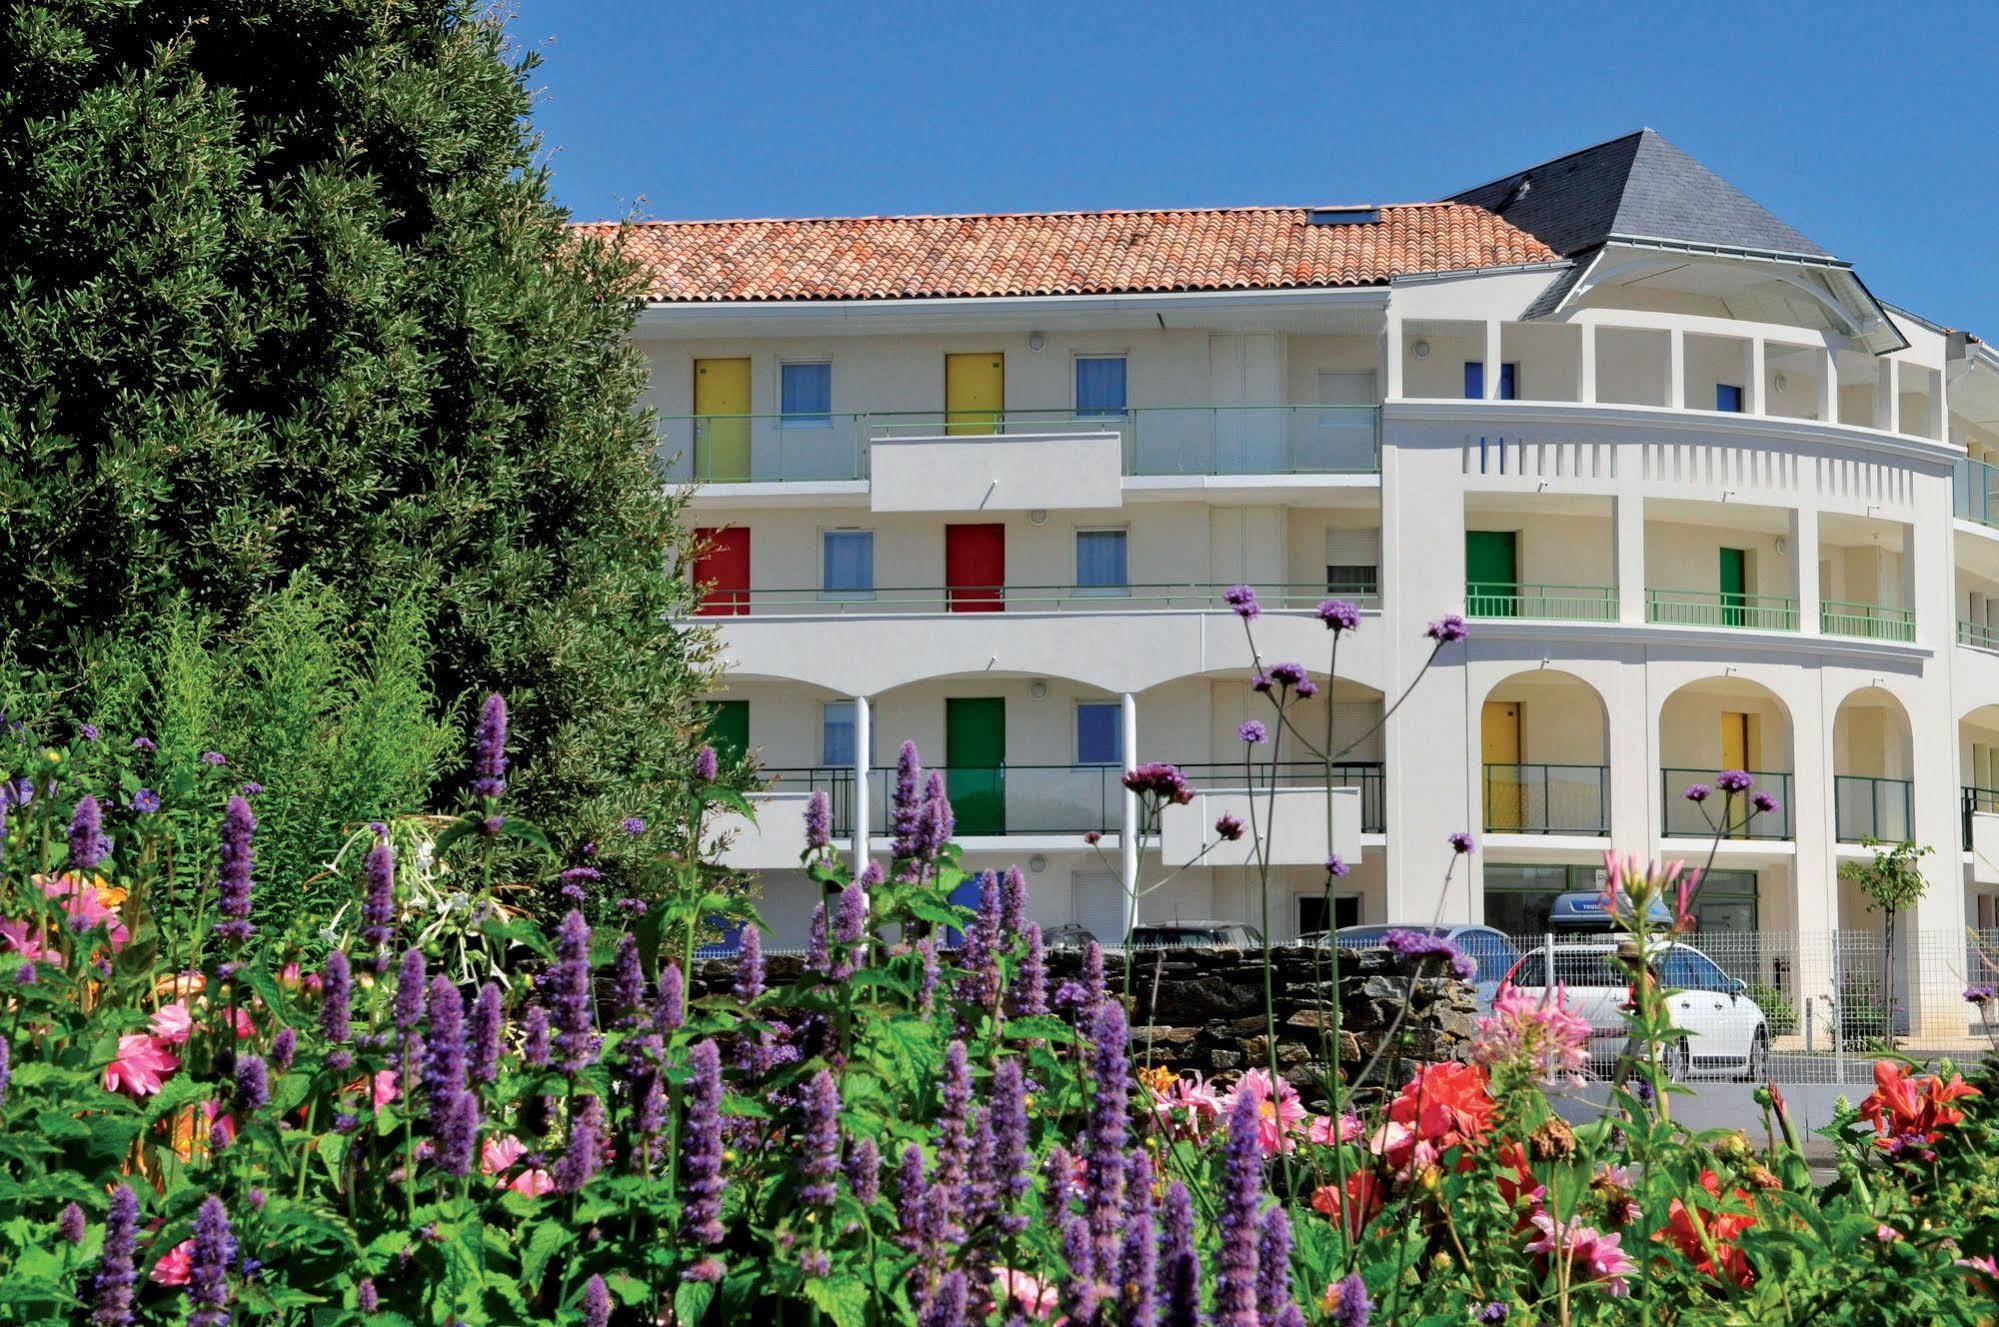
column 1547, row 799
column 1565, row 603
column 1683, row 819
column 1711, row 608
column 1178, row 597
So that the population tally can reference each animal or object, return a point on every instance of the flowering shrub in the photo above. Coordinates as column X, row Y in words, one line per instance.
column 204, row 1124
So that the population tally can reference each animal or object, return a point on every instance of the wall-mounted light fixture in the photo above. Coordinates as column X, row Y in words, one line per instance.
column 1421, row 350
column 1036, row 342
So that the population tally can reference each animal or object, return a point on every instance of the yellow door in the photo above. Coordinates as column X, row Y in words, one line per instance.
column 1499, row 734
column 722, row 424
column 1741, row 744
column 974, row 393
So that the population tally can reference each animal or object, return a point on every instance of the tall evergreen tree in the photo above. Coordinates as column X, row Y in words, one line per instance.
column 282, row 289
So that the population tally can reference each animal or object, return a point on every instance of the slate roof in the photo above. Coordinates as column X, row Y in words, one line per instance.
column 1063, row 253
column 1636, row 187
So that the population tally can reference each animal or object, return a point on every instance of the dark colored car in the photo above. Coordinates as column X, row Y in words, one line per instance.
column 1196, row 934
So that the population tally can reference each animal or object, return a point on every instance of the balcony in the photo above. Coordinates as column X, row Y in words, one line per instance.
column 1156, row 598
column 1208, row 440
column 1839, row 617
column 1978, row 635
column 1365, row 777
column 1865, row 807
column 1712, row 608
column 1007, row 799
column 1689, row 820
column 1977, row 802
column 1547, row 799
column 1975, row 491
column 1567, row 603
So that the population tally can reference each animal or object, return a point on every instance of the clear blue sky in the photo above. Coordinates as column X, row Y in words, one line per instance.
column 1870, row 127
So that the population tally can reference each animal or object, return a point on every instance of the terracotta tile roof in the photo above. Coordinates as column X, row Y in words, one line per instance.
column 1067, row 253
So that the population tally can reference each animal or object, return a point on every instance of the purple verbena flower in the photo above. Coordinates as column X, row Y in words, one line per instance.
column 252, row 788
column 1339, row 615
column 1161, row 780
column 1228, row 827
column 819, row 1145
column 88, row 732
column 208, row 1265
column 116, row 1273
column 1696, row 792
column 146, row 802
column 633, row 825
column 489, row 757
column 144, row 744
column 1336, row 866
column 1448, row 628
column 1734, row 781
column 1287, row 674
column 1242, row 599
column 215, row 758
column 1253, row 732
column 1419, row 945
column 701, row 1150
column 1763, row 804
column 1462, row 842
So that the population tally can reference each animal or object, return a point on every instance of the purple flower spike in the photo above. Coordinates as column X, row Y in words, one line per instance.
column 1696, row 792
column 1242, row 600
column 1273, row 1266
column 1107, row 1134
column 1448, row 628
column 820, row 1144
column 585, row 1152
column 953, row 1139
column 946, row 1307
column 1029, row 994
column 115, row 1271
column 701, row 1153
column 208, row 1265
column 70, row 1224
column 818, row 821
column 1352, row 1308
column 483, row 1035
column 1339, row 615
column 336, row 994
column 628, row 982
column 706, row 766
column 378, row 904
column 232, row 875
column 864, row 1171
column 409, row 991
column 1242, row 1192
column 1253, row 732
column 568, row 992
column 818, row 955
column 750, row 966
column 907, row 805
column 669, row 1010
column 87, row 844
column 596, row 1303
column 1013, row 902
column 444, row 1042
column 850, row 921
column 489, row 759
column 910, row 1198
column 1012, row 1178
column 1138, row 1258
column 253, row 1087
column 534, row 1038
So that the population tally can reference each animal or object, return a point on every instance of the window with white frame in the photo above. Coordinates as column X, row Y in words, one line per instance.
column 1099, row 732
column 837, row 734
column 1100, row 562
column 805, row 395
column 1100, row 385
column 847, row 564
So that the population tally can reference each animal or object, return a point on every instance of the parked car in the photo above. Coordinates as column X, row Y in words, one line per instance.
column 1491, row 950
column 1725, row 1032
column 1067, row 936
column 1196, row 934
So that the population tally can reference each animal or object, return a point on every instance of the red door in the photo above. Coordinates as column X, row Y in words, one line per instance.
column 722, row 570
column 975, row 568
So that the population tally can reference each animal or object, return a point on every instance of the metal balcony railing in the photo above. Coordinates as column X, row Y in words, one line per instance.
column 1977, row 635
column 1714, row 608
column 1975, row 491
column 1977, row 801
column 1156, row 440
column 1685, row 819
column 1839, row 617
column 1547, row 799
column 1571, row 603
column 1865, row 807
column 1366, row 775
column 1161, row 597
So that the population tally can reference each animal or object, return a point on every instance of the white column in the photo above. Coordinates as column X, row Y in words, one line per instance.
column 863, row 741
column 1128, row 839
column 1492, row 353
column 1887, row 395
column 1752, row 390
column 1805, row 550
column 1391, row 359
column 1828, row 386
column 1676, row 370
column 1586, row 371
column 1629, row 551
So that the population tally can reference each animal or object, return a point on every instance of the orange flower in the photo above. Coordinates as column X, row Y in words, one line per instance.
column 1721, row 1227
column 1907, row 1111
column 1445, row 1106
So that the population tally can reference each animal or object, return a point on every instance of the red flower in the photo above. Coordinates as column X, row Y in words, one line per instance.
column 1365, row 1193
column 1908, row 1111
column 1516, row 1180
column 1721, row 1227
column 1445, row 1105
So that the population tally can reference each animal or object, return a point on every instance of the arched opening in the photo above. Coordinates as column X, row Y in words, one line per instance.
column 1724, row 723
column 1978, row 766
column 1872, row 761
column 1544, row 756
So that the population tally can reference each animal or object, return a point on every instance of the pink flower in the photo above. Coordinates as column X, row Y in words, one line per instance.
column 499, row 1153
column 532, row 1183
column 1189, row 1107
column 1034, row 1297
column 1591, row 1255
column 1279, row 1112
column 173, row 1267
column 1320, row 1130
column 1887, row 1234
column 384, row 1084
column 25, row 941
column 1988, row 1265
column 172, row 1023
column 142, row 1066
column 84, row 902
column 245, row 1029
column 1535, row 1034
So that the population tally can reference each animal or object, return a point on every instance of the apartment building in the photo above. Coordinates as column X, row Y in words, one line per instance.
column 1707, row 502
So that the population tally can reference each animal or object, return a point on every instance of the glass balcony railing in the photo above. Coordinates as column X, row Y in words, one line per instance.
column 1155, row 440
column 1978, row 801
column 1365, row 775
column 1547, row 799
column 1978, row 635
column 1692, row 820
column 1715, row 608
column 1865, row 807
column 1838, row 617
column 1572, row 603
column 1162, row 597
column 1975, row 491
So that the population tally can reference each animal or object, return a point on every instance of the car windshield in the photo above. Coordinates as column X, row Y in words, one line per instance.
column 1179, row 935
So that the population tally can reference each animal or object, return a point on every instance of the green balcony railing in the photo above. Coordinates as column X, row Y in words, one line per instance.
column 1838, row 617
column 1975, row 491
column 1697, row 820
column 1715, row 608
column 1161, row 597
column 1547, row 799
column 1865, row 807
column 1570, row 603
column 1977, row 634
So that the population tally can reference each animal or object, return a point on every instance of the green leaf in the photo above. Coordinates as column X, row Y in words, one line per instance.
column 691, row 1300
column 844, row 1299
column 541, row 1245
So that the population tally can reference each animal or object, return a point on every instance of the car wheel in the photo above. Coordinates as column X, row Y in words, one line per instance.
column 1676, row 1061
column 1758, row 1067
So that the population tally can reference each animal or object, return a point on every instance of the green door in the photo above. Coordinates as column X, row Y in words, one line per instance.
column 1734, row 586
column 729, row 729
column 975, row 763
column 1492, row 573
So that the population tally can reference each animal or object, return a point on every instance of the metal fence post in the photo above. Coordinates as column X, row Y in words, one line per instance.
column 1838, row 1013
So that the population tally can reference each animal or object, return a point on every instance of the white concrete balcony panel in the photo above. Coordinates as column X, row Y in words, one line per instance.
column 1055, row 472
column 1293, row 822
column 1984, row 847
column 774, row 841
column 867, row 654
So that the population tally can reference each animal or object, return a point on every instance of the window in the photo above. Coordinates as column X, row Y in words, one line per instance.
column 1509, row 380
column 1350, row 582
column 1100, row 385
column 1100, row 562
column 848, row 565
column 836, row 744
column 806, row 396
column 1728, row 397
column 1100, row 733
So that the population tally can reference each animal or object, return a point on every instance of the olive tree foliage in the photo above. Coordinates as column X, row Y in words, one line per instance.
column 283, row 291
